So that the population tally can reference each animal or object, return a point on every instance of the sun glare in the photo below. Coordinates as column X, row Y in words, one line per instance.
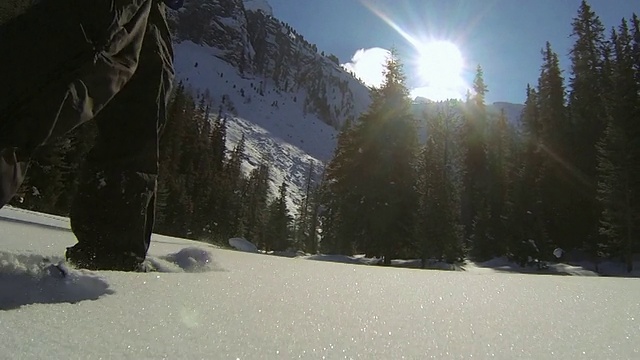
column 438, row 67
column 440, row 63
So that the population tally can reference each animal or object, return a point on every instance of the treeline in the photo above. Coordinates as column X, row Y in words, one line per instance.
column 568, row 177
column 583, row 132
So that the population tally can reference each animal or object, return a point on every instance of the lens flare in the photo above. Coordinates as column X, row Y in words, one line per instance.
column 438, row 64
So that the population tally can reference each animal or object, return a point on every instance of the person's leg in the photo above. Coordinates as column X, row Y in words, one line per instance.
column 76, row 55
column 112, row 214
column 39, row 46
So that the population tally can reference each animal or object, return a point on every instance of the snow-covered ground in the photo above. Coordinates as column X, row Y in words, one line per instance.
column 497, row 265
column 239, row 305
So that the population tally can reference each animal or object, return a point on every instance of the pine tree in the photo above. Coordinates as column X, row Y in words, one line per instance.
column 339, row 192
column 373, row 174
column 439, row 232
column 177, row 182
column 499, row 163
column 219, row 144
column 278, row 227
column 635, row 22
column 306, row 223
column 188, row 169
column 474, row 141
column 204, row 179
column 255, row 205
column 587, row 111
column 480, row 89
column 170, row 153
column 219, row 191
column 619, row 154
column 526, row 221
column 229, row 222
column 555, row 173
column 314, row 225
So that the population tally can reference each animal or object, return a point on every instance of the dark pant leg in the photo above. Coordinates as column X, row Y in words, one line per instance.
column 113, row 212
column 62, row 62
column 73, row 65
column 37, row 48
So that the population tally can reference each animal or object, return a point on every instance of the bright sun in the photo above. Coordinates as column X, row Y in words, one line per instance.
column 440, row 63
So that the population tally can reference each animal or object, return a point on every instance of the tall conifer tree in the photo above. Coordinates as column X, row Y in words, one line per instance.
column 553, row 146
column 379, row 179
column 619, row 154
column 439, row 231
column 588, row 120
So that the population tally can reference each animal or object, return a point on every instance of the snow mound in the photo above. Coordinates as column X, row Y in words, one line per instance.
column 503, row 264
column 258, row 5
column 26, row 280
column 609, row 268
column 400, row 263
column 191, row 259
column 243, row 245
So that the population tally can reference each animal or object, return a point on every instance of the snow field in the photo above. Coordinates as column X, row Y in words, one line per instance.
column 253, row 306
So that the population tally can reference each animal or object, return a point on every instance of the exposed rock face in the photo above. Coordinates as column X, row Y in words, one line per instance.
column 257, row 44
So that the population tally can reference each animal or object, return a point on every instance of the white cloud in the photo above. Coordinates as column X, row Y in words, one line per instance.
column 368, row 65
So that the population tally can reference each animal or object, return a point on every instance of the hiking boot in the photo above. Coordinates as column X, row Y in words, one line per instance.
column 13, row 169
column 92, row 259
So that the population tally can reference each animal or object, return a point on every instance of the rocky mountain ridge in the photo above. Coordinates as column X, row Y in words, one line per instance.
column 260, row 46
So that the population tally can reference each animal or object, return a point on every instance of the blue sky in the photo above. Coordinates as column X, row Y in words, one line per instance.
column 503, row 36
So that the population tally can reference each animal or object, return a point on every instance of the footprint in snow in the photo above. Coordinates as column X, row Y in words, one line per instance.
column 30, row 279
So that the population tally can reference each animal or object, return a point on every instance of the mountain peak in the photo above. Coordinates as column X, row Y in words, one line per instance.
column 258, row 5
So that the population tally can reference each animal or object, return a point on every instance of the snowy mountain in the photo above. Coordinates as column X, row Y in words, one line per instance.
column 274, row 55
column 258, row 5
column 277, row 90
